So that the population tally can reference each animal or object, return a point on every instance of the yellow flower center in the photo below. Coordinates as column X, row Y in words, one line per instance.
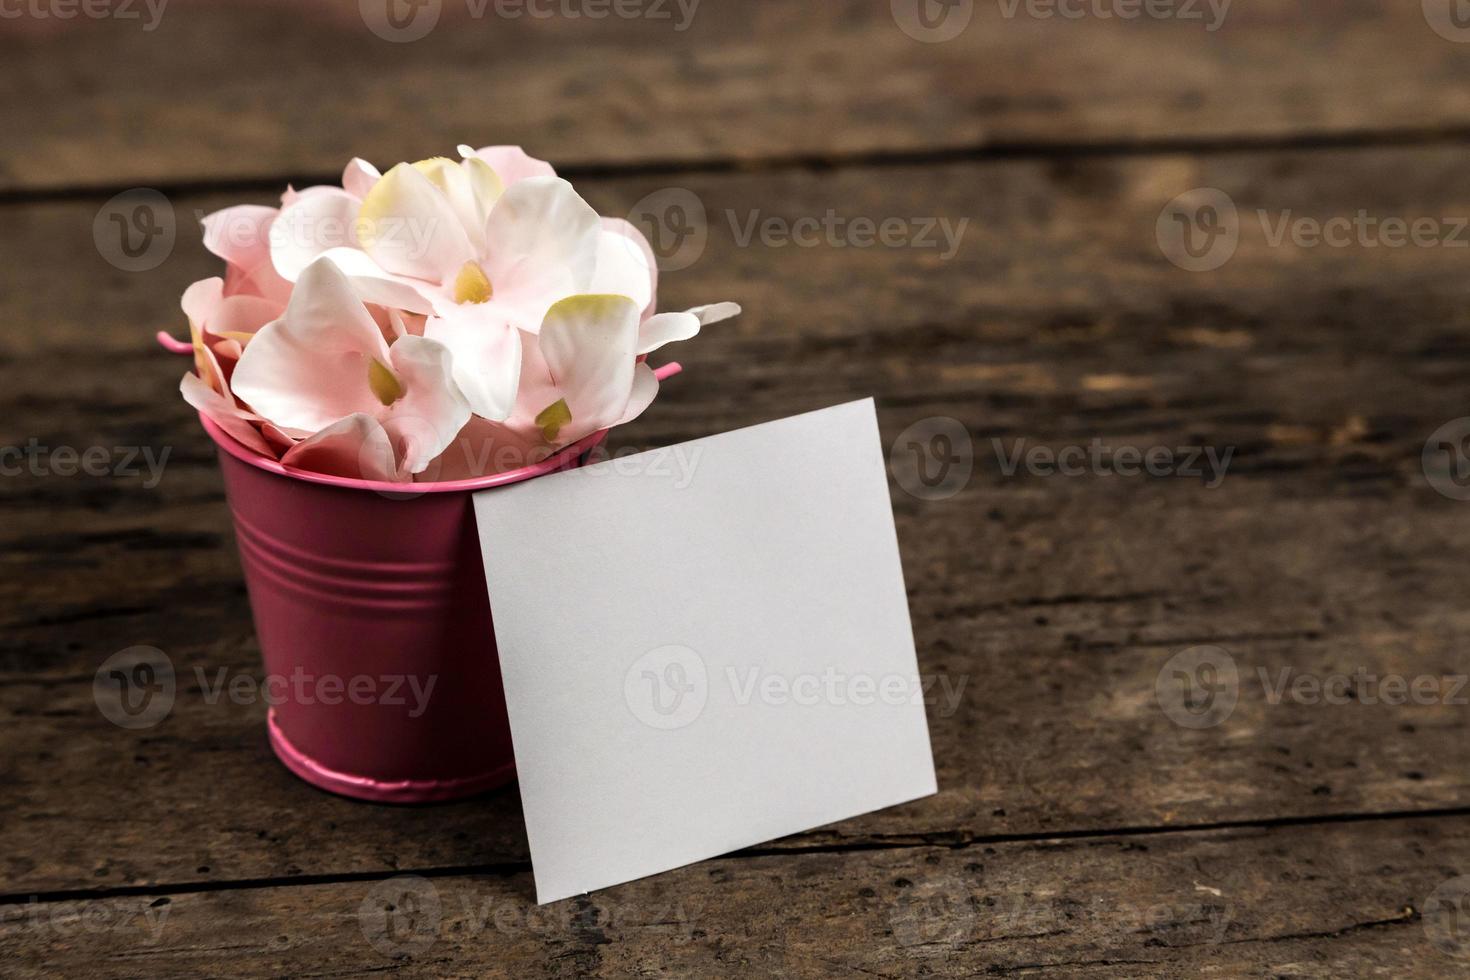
column 472, row 285
column 385, row 386
column 552, row 418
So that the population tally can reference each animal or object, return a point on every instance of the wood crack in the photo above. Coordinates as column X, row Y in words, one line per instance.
column 1364, row 138
column 880, row 843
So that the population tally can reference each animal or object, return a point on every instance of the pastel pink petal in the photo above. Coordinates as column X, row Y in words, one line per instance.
column 243, row 314
column 293, row 196
column 280, row 440
column 282, row 378
column 263, row 281
column 542, row 241
column 614, row 266
column 429, row 415
column 227, row 352
column 410, row 228
column 356, row 447
column 312, row 224
column 240, row 235
column 310, row 368
column 201, row 299
column 666, row 328
column 535, row 389
column 359, row 176
column 389, row 321
column 512, row 163
column 326, row 310
column 199, row 302
column 588, row 343
column 223, row 413
column 486, row 448
column 212, row 373
column 486, row 352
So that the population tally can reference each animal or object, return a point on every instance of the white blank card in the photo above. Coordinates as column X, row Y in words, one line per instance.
column 704, row 647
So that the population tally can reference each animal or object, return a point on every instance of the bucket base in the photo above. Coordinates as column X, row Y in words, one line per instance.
column 380, row 791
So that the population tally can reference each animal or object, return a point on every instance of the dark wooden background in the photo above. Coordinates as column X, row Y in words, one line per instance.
column 1078, row 830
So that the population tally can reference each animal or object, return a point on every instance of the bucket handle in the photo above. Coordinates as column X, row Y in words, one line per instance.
column 168, row 343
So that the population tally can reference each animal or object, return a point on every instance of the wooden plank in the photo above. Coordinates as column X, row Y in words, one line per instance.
column 1322, row 901
column 1056, row 601
column 223, row 91
column 1055, row 728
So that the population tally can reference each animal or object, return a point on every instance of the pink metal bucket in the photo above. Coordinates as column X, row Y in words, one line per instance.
column 374, row 623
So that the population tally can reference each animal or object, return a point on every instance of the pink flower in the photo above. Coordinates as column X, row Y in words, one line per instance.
column 484, row 256
column 324, row 368
column 583, row 371
column 241, row 236
column 220, row 325
column 443, row 319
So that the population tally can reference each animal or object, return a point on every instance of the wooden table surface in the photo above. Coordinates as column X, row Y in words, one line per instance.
column 1093, row 819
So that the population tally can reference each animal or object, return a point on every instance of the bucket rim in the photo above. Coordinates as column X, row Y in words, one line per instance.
column 556, row 461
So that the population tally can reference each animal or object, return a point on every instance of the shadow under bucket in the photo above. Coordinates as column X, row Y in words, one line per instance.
column 370, row 604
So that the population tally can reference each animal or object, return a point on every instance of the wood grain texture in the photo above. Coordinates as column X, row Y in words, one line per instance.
column 1322, row 902
column 217, row 91
column 1024, row 167
column 1054, row 601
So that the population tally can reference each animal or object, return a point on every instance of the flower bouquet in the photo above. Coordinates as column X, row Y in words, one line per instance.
column 373, row 354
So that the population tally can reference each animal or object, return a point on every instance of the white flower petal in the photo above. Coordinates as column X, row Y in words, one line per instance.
column 486, row 353
column 486, row 186
column 542, row 243
column 431, row 412
column 379, row 286
column 623, row 269
column 317, row 220
column 666, row 328
column 410, row 228
column 645, row 390
column 588, row 344
column 359, row 177
column 472, row 189
column 715, row 312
